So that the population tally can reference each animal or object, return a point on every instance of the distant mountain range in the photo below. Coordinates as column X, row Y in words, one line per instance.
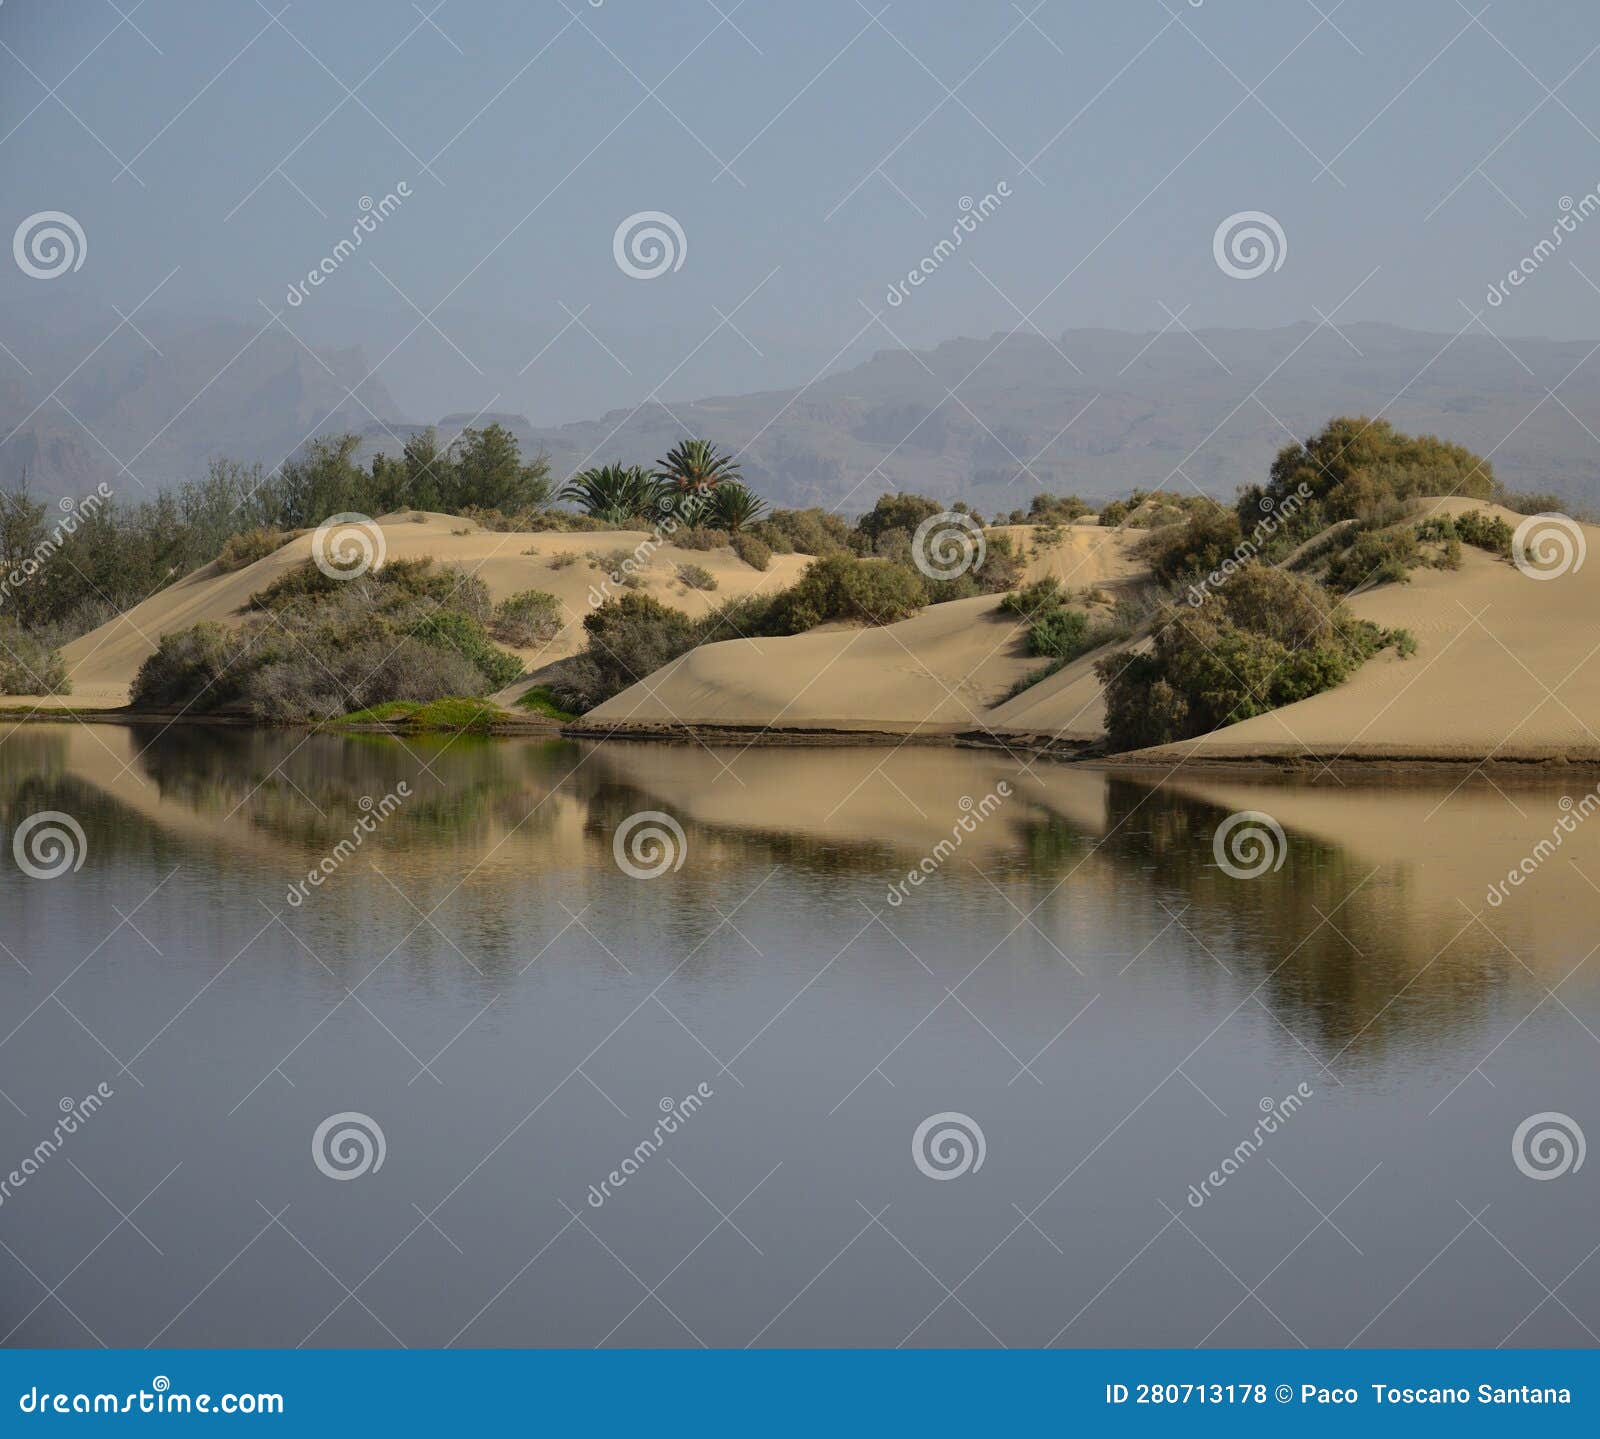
column 1096, row 412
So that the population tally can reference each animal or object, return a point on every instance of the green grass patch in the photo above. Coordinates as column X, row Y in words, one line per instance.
column 541, row 700
column 448, row 716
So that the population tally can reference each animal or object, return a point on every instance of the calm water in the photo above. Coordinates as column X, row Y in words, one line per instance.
column 1079, row 979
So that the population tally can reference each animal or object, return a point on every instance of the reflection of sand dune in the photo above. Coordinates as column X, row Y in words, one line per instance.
column 1450, row 847
column 102, row 664
column 107, row 757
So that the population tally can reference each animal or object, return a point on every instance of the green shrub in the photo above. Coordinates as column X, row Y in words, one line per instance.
column 247, row 546
column 896, row 512
column 1263, row 639
column 697, row 577
column 191, row 665
column 843, row 587
column 1487, row 532
column 1385, row 557
column 1197, row 548
column 1360, row 468
column 753, row 550
column 1062, row 634
column 693, row 537
column 560, row 560
column 804, row 532
column 1114, row 513
column 524, row 620
column 1036, row 599
column 29, row 665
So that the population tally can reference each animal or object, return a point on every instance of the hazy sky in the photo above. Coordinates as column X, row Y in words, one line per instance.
column 812, row 154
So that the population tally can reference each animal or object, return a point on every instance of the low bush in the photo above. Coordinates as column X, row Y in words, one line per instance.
column 524, row 620
column 30, row 665
column 1375, row 558
column 697, row 577
column 1487, row 532
column 247, row 546
column 698, row 537
column 318, row 654
column 842, row 587
column 753, row 550
column 1263, row 639
column 803, row 532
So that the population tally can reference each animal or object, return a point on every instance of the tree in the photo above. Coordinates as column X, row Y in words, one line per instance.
column 489, row 473
column 614, row 493
column 695, row 467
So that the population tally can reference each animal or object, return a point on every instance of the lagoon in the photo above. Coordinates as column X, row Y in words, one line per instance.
column 374, row 1110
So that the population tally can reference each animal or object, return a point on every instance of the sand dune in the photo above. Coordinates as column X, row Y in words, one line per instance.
column 1505, row 668
column 937, row 672
column 103, row 663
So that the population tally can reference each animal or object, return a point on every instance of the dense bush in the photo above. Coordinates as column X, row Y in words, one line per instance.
column 1190, row 551
column 1263, row 639
column 1356, row 468
column 524, row 620
column 804, row 532
column 1487, row 532
column 29, row 665
column 1377, row 557
column 248, row 546
column 697, row 577
column 753, row 550
column 895, row 512
column 310, row 652
column 842, row 587
column 1114, row 513
column 697, row 537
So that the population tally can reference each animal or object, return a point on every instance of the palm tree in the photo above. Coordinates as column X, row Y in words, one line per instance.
column 695, row 467
column 733, row 505
column 614, row 493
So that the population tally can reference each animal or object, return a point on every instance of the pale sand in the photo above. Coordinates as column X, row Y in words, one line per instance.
column 1506, row 668
column 103, row 663
column 935, row 673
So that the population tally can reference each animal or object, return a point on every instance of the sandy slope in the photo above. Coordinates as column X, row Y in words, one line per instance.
column 938, row 671
column 102, row 664
column 1507, row 667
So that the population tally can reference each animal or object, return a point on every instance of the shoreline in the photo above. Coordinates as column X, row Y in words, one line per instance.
column 1356, row 760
